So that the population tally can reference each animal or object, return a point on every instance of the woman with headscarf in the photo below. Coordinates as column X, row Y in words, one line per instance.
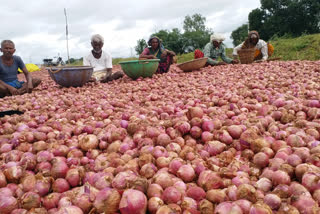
column 156, row 50
column 263, row 49
column 213, row 50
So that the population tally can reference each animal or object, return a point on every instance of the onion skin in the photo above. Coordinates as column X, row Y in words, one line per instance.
column 88, row 142
column 107, row 201
column 30, row 200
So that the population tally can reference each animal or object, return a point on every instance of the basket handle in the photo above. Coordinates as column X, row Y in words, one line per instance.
column 54, row 72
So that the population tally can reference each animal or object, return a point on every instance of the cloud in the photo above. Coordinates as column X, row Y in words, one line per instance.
column 38, row 27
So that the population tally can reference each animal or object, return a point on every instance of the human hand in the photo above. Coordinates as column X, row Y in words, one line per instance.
column 164, row 54
column 13, row 91
column 235, row 61
column 221, row 63
column 30, row 87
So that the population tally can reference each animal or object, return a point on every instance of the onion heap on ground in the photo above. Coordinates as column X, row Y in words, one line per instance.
column 241, row 139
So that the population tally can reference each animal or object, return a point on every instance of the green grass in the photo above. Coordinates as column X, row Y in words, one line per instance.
column 301, row 48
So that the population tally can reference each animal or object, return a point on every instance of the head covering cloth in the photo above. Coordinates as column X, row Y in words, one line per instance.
column 248, row 43
column 157, row 38
column 217, row 37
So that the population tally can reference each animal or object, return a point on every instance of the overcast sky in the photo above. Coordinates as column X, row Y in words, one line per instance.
column 38, row 26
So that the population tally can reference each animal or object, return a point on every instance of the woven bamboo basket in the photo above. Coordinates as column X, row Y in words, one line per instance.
column 246, row 56
column 192, row 65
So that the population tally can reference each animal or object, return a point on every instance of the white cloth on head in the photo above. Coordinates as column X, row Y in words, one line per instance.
column 261, row 45
column 99, row 65
column 217, row 37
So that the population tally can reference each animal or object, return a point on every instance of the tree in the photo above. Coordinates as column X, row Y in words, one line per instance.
column 172, row 40
column 281, row 17
column 141, row 45
column 193, row 23
column 196, row 34
column 239, row 34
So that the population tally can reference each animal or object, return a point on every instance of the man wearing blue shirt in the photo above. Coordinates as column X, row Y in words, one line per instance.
column 9, row 64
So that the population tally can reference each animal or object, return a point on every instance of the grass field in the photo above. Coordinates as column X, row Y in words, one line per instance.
column 301, row 48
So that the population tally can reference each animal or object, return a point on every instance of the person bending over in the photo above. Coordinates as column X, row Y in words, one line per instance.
column 263, row 49
column 213, row 50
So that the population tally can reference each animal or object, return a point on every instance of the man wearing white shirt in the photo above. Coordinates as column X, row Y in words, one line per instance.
column 101, row 61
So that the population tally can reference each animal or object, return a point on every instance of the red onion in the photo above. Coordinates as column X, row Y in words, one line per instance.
column 30, row 200
column 13, row 173
column 216, row 196
column 188, row 204
column 280, row 177
column 148, row 170
column 196, row 193
column 235, row 131
column 227, row 207
column 70, row 210
column 154, row 190
column 304, row 204
column 88, row 142
column 295, row 141
column 195, row 112
column 8, row 204
column 163, row 179
column 3, row 181
column 209, row 180
column 186, row 173
column 245, row 205
column 51, row 201
column 206, row 206
column 123, row 179
column 207, row 126
column 260, row 208
column 133, row 201
column 264, row 184
column 171, row 195
column 247, row 191
column 73, row 177
column 59, row 168
column 60, row 185
column 83, row 201
column 154, row 204
column 19, row 211
column 261, row 160
column 311, row 181
column 273, row 201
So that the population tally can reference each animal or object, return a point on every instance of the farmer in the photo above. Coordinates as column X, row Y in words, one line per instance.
column 101, row 61
column 157, row 51
column 263, row 49
column 213, row 50
column 9, row 65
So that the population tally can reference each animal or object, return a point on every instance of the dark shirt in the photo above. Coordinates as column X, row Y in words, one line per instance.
column 9, row 73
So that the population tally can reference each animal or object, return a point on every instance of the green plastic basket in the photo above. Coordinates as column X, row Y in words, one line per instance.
column 140, row 68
